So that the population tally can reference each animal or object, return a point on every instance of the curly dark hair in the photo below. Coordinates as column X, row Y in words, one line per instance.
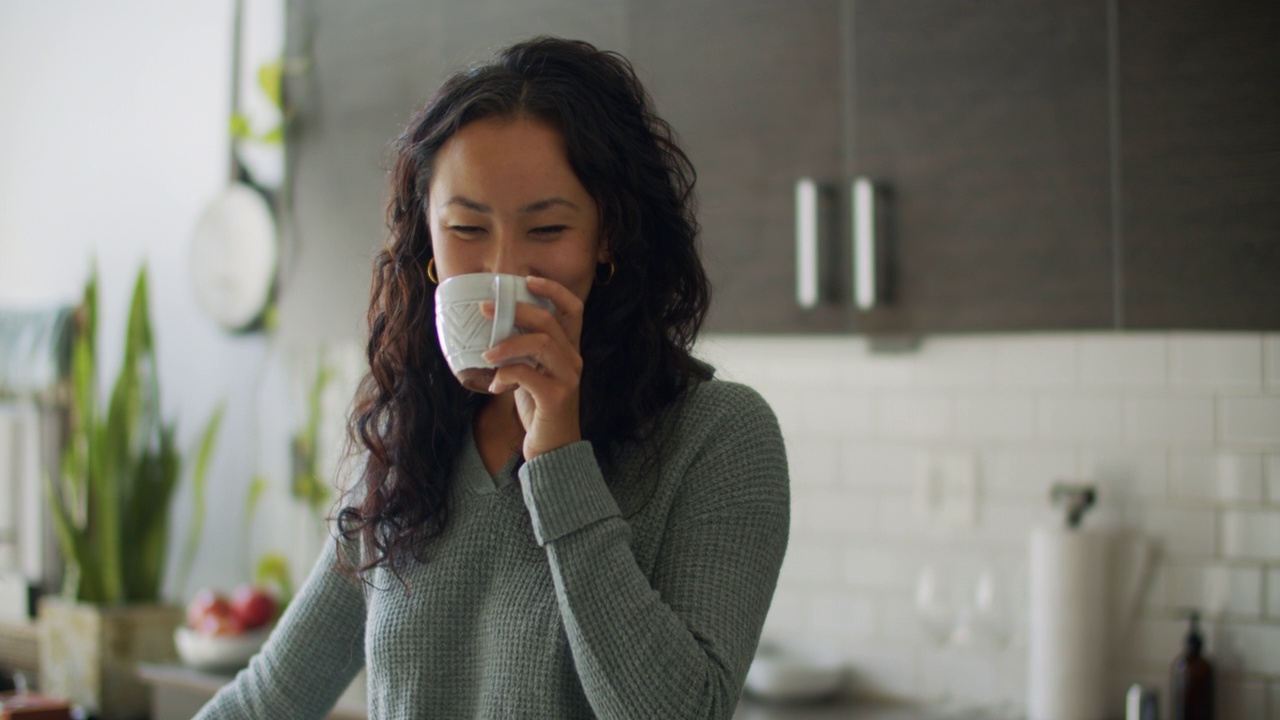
column 410, row 413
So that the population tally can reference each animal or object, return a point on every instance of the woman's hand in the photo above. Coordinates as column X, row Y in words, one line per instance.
column 546, row 396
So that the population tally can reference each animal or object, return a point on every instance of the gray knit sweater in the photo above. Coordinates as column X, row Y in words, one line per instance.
column 558, row 591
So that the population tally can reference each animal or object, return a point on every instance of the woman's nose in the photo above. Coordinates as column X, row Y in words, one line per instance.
column 506, row 257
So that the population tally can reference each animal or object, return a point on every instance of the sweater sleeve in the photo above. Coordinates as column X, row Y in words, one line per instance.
column 678, row 644
column 310, row 657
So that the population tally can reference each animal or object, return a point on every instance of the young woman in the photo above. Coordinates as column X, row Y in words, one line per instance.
column 599, row 534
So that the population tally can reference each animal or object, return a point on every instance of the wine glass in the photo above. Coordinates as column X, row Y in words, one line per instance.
column 937, row 606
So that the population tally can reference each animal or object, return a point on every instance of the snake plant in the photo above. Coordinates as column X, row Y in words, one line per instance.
column 112, row 501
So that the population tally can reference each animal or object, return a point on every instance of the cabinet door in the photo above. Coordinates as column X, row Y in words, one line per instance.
column 1200, row 149
column 988, row 123
column 752, row 87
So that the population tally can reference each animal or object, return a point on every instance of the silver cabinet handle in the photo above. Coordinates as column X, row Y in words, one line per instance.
column 807, row 243
column 864, row 243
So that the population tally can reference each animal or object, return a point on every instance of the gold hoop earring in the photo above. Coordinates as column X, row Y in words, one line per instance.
column 612, row 269
column 431, row 271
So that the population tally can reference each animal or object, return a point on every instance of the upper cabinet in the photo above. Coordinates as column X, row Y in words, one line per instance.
column 753, row 88
column 1053, row 165
column 1200, row 164
column 987, row 123
column 1065, row 164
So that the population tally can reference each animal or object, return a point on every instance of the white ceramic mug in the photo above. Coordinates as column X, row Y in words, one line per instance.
column 465, row 333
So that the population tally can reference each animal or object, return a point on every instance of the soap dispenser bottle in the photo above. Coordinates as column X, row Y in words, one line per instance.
column 1192, row 678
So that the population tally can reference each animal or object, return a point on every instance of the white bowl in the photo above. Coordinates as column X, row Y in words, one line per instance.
column 782, row 677
column 218, row 652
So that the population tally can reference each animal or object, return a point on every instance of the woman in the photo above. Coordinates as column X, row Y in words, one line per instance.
column 601, row 533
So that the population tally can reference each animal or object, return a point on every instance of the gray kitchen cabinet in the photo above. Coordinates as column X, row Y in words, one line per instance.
column 1052, row 165
column 987, row 122
column 1200, row 159
column 753, row 89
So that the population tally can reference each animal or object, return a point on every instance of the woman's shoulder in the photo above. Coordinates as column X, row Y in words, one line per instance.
column 724, row 408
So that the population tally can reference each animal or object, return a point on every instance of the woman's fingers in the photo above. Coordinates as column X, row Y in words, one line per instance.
column 568, row 312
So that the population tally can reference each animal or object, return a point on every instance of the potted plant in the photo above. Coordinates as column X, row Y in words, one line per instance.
column 111, row 505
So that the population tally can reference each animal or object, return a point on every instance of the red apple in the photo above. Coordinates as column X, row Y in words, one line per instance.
column 209, row 613
column 254, row 606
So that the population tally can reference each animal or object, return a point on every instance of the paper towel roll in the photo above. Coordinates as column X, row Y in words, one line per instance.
column 1068, row 649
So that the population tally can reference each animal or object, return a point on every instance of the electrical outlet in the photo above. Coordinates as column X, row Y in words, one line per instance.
column 947, row 489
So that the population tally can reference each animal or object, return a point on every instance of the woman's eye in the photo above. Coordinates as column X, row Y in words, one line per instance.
column 465, row 229
column 549, row 230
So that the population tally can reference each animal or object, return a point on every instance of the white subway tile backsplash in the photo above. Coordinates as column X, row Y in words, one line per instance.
column 1250, row 420
column 1217, row 477
column 1158, row 640
column 1254, row 646
column 918, row 416
column 1027, row 473
column 832, row 513
column 1218, row 360
column 813, row 462
column 886, row 466
column 880, row 567
column 998, row 417
column 1251, row 535
column 814, row 563
column 1271, row 355
column 1138, row 361
column 1180, row 532
column 1273, row 593
column 1215, row 589
column 844, row 415
column 1183, row 446
column 1124, row 477
column 1237, row 698
column 1064, row 419
column 1037, row 361
column 1169, row 420
column 788, row 613
column 846, row 614
column 952, row 362
column 1273, row 482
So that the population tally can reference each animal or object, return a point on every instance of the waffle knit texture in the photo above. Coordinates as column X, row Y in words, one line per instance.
column 558, row 591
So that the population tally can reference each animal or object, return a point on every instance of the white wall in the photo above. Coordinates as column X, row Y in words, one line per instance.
column 113, row 120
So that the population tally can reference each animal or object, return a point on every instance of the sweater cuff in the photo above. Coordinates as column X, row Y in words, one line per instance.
column 565, row 491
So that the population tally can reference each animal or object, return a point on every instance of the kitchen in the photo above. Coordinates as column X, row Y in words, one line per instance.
column 922, row 455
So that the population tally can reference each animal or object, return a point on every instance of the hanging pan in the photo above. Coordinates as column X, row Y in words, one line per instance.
column 235, row 249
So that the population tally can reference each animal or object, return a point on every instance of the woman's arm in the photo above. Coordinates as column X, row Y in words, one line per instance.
column 310, row 657
column 678, row 646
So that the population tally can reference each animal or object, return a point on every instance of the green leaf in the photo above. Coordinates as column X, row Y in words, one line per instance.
column 269, row 79
column 256, row 489
column 274, row 136
column 273, row 569
column 203, row 457
column 240, row 127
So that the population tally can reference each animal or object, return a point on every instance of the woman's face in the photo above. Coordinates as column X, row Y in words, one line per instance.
column 504, row 199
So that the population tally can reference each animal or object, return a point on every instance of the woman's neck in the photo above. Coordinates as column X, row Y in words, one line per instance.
column 498, row 431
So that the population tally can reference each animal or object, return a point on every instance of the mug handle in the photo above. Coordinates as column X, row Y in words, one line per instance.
column 504, row 309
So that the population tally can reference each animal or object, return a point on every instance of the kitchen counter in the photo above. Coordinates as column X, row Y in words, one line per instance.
column 178, row 692
column 751, row 709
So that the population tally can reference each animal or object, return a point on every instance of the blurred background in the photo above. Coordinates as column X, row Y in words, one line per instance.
column 1077, row 279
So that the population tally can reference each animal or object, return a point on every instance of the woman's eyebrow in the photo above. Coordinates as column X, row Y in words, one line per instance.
column 467, row 203
column 541, row 205
column 532, row 207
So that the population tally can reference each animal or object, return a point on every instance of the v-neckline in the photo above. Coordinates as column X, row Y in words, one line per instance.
column 477, row 476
